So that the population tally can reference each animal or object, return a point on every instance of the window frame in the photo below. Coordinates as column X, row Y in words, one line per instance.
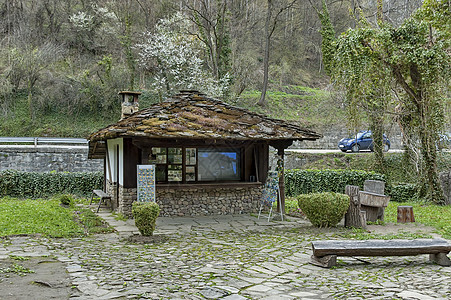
column 239, row 149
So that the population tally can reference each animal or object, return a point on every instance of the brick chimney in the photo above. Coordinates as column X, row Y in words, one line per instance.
column 129, row 103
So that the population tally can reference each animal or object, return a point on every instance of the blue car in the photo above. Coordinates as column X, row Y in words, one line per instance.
column 363, row 141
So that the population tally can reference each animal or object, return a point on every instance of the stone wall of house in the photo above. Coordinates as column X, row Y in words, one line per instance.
column 192, row 202
column 111, row 189
column 126, row 198
column 47, row 158
column 211, row 201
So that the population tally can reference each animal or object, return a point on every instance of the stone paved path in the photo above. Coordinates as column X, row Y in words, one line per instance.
column 229, row 258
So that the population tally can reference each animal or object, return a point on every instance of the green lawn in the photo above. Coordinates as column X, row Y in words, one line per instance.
column 436, row 216
column 432, row 215
column 46, row 217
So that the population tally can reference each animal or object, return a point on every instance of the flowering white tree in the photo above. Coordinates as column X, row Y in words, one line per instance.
column 174, row 58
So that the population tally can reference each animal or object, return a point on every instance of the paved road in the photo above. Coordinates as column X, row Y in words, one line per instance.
column 334, row 151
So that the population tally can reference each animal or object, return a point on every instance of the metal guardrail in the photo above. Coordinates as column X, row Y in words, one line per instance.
column 43, row 141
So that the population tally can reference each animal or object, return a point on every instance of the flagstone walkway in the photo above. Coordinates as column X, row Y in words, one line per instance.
column 230, row 258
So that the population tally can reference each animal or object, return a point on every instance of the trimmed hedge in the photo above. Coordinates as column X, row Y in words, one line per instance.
column 315, row 181
column 37, row 185
column 403, row 192
column 145, row 214
column 324, row 209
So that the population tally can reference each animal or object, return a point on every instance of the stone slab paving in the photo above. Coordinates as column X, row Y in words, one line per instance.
column 230, row 258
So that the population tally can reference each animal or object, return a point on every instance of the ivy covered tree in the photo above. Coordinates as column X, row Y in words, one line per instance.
column 377, row 62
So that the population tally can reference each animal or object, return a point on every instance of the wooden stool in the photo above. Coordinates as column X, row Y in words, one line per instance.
column 405, row 214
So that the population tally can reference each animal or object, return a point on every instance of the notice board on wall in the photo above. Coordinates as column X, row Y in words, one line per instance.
column 146, row 183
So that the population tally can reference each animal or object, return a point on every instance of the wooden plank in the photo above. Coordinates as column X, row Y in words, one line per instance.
column 380, row 247
column 101, row 194
column 373, row 200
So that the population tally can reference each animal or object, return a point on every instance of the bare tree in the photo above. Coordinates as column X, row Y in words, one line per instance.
column 273, row 12
column 27, row 64
column 211, row 21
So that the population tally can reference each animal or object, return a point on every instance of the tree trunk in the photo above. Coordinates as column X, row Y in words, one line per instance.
column 262, row 101
column 429, row 154
column 377, row 128
column 405, row 214
column 353, row 217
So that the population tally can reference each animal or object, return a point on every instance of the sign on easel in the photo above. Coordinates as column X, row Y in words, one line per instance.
column 271, row 189
column 270, row 194
column 146, row 183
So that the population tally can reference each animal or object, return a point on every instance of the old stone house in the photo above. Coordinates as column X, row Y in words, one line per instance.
column 210, row 157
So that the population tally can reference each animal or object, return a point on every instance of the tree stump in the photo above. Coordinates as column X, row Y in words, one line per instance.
column 405, row 214
column 354, row 217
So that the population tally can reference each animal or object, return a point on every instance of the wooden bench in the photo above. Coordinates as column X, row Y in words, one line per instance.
column 325, row 252
column 101, row 195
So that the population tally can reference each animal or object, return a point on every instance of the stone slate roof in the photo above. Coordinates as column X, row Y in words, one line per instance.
column 192, row 115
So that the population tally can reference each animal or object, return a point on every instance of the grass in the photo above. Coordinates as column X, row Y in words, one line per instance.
column 436, row 216
column 311, row 107
column 17, row 121
column 17, row 269
column 46, row 217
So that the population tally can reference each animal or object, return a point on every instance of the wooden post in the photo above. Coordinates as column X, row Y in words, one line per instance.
column 354, row 216
column 405, row 214
column 280, row 165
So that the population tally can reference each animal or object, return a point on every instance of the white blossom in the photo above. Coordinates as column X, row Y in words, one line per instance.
column 174, row 57
column 81, row 20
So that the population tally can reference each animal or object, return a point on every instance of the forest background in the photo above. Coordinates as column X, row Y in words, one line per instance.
column 62, row 62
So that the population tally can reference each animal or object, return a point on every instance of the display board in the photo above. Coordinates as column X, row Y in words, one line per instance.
column 271, row 189
column 146, row 183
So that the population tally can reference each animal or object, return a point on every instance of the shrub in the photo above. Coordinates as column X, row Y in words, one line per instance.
column 316, row 181
column 324, row 209
column 36, row 185
column 145, row 214
column 65, row 199
column 403, row 192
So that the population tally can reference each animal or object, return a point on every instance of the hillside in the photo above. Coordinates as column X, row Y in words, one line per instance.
column 312, row 108
column 62, row 62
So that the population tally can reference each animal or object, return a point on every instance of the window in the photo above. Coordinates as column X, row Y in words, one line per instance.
column 191, row 164
column 217, row 165
column 169, row 163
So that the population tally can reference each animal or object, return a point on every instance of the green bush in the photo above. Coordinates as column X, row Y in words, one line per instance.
column 324, row 209
column 38, row 185
column 145, row 214
column 65, row 199
column 315, row 181
column 403, row 192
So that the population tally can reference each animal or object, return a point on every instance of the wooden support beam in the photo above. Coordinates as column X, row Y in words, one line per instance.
column 280, row 165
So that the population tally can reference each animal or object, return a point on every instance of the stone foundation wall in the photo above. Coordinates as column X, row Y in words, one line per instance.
column 192, row 202
column 111, row 189
column 217, row 201
column 126, row 198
